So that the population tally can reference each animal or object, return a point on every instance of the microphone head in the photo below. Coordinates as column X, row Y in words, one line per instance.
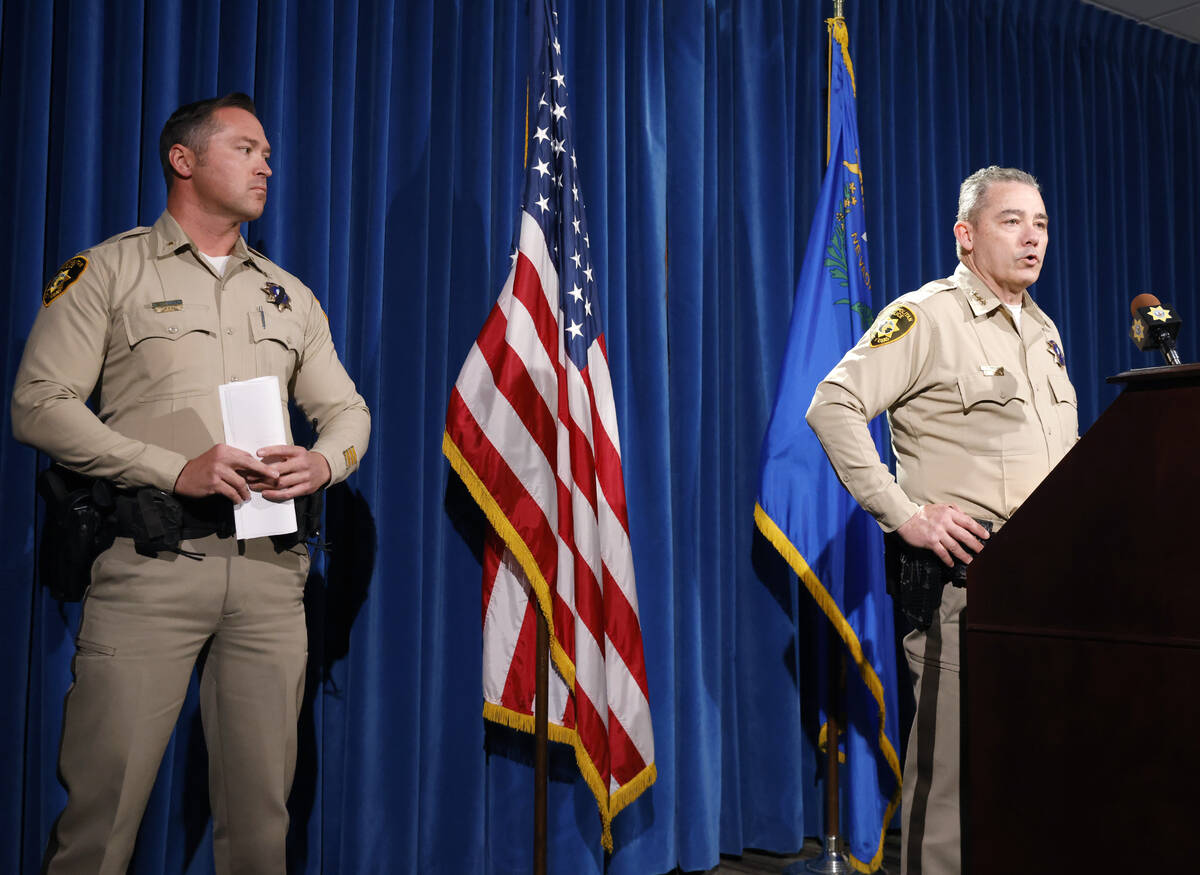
column 1155, row 326
column 1145, row 299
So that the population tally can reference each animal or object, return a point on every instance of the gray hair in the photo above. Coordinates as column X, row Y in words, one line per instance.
column 974, row 190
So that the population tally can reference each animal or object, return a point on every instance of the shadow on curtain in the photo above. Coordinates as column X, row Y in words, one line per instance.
column 397, row 135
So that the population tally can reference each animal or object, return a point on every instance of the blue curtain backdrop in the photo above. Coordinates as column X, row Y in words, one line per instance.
column 397, row 135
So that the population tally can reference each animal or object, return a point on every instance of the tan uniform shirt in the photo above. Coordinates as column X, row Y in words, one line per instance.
column 979, row 412
column 145, row 318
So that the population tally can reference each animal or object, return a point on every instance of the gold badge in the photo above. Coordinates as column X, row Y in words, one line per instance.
column 67, row 274
column 894, row 325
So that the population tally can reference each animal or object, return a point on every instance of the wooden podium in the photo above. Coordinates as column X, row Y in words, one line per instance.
column 1081, row 663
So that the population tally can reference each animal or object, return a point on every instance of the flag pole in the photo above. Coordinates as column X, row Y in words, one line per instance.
column 832, row 861
column 541, row 722
column 540, row 754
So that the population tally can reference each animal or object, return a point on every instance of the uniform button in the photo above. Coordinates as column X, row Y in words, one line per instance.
column 233, row 379
column 174, row 329
column 229, row 331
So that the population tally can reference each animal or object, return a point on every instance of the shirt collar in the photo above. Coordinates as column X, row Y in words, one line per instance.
column 168, row 238
column 983, row 300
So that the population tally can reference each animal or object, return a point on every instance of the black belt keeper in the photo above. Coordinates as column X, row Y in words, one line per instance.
column 916, row 577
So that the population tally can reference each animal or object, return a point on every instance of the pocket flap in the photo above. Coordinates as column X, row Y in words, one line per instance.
column 143, row 324
column 1064, row 392
column 980, row 388
column 268, row 323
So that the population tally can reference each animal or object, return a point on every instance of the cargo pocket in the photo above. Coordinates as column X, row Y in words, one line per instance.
column 84, row 647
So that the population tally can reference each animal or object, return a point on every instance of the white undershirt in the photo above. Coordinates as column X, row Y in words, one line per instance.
column 1015, row 309
column 218, row 262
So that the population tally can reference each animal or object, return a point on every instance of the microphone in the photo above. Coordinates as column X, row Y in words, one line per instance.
column 1155, row 326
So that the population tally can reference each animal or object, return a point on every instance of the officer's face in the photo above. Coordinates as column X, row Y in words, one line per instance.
column 230, row 174
column 1006, row 243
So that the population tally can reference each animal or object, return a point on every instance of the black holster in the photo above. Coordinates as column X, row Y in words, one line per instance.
column 916, row 578
column 153, row 519
column 80, row 525
column 308, row 521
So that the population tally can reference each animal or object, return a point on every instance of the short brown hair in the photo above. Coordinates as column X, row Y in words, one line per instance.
column 192, row 125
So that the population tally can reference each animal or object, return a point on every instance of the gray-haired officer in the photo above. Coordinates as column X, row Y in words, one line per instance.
column 157, row 318
column 972, row 375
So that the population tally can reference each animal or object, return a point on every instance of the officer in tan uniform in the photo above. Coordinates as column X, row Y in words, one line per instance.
column 972, row 375
column 157, row 318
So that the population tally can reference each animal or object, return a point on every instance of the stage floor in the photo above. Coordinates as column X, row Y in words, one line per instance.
column 762, row 862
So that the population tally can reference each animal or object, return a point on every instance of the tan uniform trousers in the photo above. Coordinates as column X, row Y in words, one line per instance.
column 144, row 624
column 930, row 826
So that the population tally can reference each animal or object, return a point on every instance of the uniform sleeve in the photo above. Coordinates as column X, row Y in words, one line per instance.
column 324, row 391
column 60, row 366
column 873, row 376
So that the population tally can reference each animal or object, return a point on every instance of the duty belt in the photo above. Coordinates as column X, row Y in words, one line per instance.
column 158, row 520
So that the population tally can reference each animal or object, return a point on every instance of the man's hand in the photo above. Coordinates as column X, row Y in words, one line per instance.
column 301, row 472
column 945, row 530
column 224, row 470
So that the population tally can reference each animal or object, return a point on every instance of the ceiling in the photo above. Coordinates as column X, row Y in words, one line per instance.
column 1178, row 17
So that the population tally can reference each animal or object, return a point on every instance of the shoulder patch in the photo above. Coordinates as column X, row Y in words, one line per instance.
column 893, row 325
column 67, row 274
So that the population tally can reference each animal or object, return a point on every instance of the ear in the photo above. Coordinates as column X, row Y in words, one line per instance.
column 182, row 160
column 963, row 233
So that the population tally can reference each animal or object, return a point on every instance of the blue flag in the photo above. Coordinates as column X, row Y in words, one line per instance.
column 803, row 509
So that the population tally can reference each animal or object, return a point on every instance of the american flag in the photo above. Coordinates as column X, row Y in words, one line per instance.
column 532, row 431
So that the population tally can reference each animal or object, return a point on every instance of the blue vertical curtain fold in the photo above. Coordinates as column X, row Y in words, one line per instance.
column 397, row 129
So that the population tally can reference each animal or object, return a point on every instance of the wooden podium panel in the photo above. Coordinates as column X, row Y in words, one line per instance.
column 1081, row 679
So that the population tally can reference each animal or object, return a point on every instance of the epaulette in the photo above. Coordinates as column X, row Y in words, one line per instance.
column 929, row 290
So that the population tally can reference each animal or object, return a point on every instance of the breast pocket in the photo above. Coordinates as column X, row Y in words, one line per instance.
column 278, row 339
column 172, row 351
column 1065, row 402
column 994, row 410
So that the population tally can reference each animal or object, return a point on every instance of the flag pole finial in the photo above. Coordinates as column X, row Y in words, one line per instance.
column 837, row 9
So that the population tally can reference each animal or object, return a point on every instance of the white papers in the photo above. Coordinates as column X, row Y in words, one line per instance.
column 253, row 420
